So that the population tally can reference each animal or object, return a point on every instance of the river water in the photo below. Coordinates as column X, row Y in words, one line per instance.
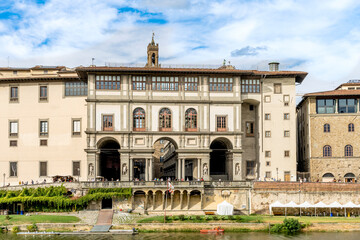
column 196, row 236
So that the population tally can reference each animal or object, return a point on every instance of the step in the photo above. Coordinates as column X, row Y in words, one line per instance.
column 101, row 228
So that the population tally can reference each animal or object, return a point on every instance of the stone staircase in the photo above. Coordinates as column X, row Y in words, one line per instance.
column 104, row 221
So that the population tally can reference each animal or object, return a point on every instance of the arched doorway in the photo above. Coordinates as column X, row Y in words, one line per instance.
column 220, row 163
column 328, row 177
column 349, row 177
column 110, row 160
column 165, row 158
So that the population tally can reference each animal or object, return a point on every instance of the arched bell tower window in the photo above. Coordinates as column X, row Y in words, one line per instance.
column 165, row 120
column 153, row 53
column 139, row 119
column 191, row 120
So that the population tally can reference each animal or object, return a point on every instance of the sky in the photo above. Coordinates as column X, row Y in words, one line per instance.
column 321, row 37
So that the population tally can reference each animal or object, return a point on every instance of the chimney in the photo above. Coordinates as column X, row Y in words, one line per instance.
column 274, row 66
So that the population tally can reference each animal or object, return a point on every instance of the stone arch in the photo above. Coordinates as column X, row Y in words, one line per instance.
column 195, row 200
column 167, row 139
column 160, row 157
column 109, row 158
column 102, row 141
column 149, row 204
column 328, row 177
column 185, row 197
column 139, row 200
column 220, row 159
column 158, row 200
column 176, row 200
column 349, row 177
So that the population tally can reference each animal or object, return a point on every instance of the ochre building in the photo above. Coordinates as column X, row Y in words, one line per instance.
column 142, row 123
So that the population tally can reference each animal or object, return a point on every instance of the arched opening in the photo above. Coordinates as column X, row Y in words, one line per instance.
column 139, row 119
column 139, row 200
column 191, row 120
column 328, row 177
column 195, row 200
column 165, row 159
column 109, row 160
column 349, row 177
column 220, row 165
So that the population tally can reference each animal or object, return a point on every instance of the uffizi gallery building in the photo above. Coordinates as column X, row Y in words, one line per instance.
column 142, row 123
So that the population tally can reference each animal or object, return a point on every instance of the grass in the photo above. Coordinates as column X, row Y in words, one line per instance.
column 21, row 219
column 306, row 219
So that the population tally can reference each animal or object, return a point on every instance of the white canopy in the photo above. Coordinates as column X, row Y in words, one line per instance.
column 321, row 205
column 276, row 204
column 306, row 205
column 335, row 205
column 350, row 205
column 291, row 204
column 225, row 208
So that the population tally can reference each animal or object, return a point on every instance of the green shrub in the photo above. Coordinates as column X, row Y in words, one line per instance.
column 15, row 229
column 181, row 217
column 277, row 228
column 208, row 218
column 197, row 217
column 7, row 217
column 231, row 217
column 291, row 225
column 215, row 218
column 32, row 228
column 1, row 230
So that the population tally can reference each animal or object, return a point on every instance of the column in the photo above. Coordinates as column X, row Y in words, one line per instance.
column 154, row 194
column 188, row 200
column 201, row 200
column 146, row 170
column 183, row 168
column 179, row 168
column 181, row 199
column 131, row 169
column 199, row 168
column 97, row 165
column 172, row 200
column 132, row 201
column 151, row 169
column 163, row 200
column 146, row 201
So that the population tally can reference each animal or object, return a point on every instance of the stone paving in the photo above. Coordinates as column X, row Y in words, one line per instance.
column 123, row 217
column 87, row 217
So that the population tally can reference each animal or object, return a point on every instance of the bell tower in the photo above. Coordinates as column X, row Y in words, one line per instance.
column 152, row 53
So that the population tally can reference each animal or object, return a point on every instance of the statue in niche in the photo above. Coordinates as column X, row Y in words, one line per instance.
column 91, row 169
column 237, row 169
column 205, row 169
column 124, row 169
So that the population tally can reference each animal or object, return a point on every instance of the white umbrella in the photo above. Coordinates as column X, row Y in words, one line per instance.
column 320, row 205
column 305, row 205
column 290, row 204
column 275, row 204
column 335, row 205
column 350, row 205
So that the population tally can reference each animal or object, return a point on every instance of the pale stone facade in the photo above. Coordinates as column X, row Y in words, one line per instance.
column 328, row 142
column 222, row 123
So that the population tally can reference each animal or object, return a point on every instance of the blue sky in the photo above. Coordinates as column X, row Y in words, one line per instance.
column 320, row 37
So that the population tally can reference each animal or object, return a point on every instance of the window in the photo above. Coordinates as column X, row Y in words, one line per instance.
column 139, row 119
column 286, row 133
column 14, row 94
column 43, row 169
column 108, row 123
column 13, row 143
column 139, row 83
column 46, row 71
column 267, row 153
column 326, row 127
column 75, row 89
column 325, row 106
column 267, row 174
column 165, row 119
column 267, row 99
column 250, row 168
column 327, row 151
column 43, row 142
column 107, row 82
column 43, row 93
column 44, row 128
column 347, row 106
column 13, row 169
column 191, row 120
column 76, row 168
column 76, row 127
column 286, row 100
column 277, row 88
column 221, row 84
column 250, row 85
column 250, row 129
column 351, row 127
column 15, row 72
column 348, row 151
column 13, row 128
column 268, row 163
column 165, row 83
column 267, row 116
column 221, row 123
column 286, row 153
column 286, row 116
column 267, row 133
column 251, row 107
column 191, row 83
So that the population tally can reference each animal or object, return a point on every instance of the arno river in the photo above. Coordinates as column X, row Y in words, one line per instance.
column 198, row 236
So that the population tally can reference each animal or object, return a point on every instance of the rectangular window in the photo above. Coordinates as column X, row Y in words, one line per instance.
column 44, row 128
column 286, row 153
column 13, row 128
column 76, row 168
column 268, row 163
column 325, row 106
column 107, row 82
column 165, row 83
column 267, row 174
column 76, row 127
column 286, row 116
column 43, row 169
column 268, row 154
column 75, row 88
column 286, row 133
column 347, row 105
column 267, row 116
column 15, row 72
column 13, row 143
column 14, row 94
column 250, row 129
column 250, row 85
column 43, row 142
column 221, row 123
column 108, row 123
column 13, row 169
column 277, row 88
column 286, row 100
column 221, row 84
column 43, row 93
column 267, row 133
column 267, row 99
column 139, row 83
column 191, row 83
column 250, row 168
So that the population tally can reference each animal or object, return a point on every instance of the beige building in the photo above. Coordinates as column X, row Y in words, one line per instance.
column 111, row 122
column 327, row 134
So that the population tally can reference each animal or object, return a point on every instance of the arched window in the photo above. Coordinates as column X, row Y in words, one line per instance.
column 139, row 119
column 348, row 151
column 351, row 127
column 191, row 120
column 165, row 120
column 327, row 151
column 326, row 127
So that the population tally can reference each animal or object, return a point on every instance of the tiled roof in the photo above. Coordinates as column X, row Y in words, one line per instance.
column 38, row 78
column 334, row 93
